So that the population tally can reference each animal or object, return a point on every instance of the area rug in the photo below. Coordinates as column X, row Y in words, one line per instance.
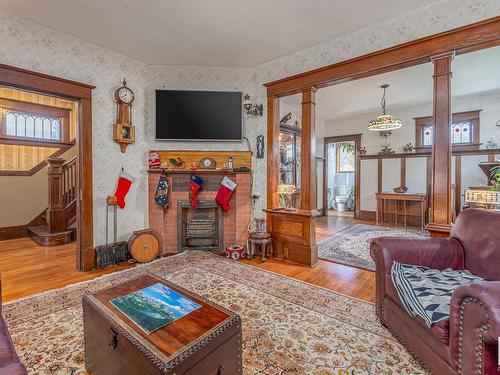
column 289, row 327
column 351, row 246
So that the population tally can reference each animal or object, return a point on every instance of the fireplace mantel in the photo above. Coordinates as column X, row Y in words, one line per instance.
column 198, row 171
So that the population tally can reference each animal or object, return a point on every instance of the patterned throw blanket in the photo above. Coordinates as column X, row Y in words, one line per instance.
column 426, row 292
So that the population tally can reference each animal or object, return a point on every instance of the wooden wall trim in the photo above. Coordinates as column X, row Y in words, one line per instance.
column 21, row 231
column 402, row 176
column 461, row 40
column 455, row 152
column 22, row 78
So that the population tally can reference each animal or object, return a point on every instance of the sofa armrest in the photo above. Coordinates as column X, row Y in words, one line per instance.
column 475, row 327
column 437, row 253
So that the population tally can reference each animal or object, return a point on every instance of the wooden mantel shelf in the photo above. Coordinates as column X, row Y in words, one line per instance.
column 197, row 171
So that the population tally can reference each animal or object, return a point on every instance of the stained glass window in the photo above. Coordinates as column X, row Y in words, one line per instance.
column 461, row 132
column 427, row 135
column 27, row 125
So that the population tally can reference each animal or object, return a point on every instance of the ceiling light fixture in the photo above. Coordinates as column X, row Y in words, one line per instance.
column 384, row 121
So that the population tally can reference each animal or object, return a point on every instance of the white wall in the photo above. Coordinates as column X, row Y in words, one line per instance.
column 27, row 45
column 488, row 103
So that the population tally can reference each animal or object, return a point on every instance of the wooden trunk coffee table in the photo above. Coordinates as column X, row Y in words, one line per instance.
column 205, row 341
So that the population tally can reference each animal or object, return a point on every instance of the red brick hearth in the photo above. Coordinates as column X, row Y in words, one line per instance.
column 235, row 221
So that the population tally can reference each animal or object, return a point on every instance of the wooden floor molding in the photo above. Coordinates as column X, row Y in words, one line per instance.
column 27, row 269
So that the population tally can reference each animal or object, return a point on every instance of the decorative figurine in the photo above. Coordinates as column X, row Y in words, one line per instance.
column 177, row 163
column 491, row 144
column 408, row 148
column 386, row 150
column 400, row 189
column 286, row 118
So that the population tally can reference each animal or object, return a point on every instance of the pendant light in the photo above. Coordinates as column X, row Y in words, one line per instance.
column 384, row 121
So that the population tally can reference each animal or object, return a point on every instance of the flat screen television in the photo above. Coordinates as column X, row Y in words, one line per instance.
column 198, row 115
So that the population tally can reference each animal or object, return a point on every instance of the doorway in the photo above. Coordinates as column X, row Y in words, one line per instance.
column 340, row 175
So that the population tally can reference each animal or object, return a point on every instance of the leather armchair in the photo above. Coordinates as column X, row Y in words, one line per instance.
column 467, row 343
column 9, row 361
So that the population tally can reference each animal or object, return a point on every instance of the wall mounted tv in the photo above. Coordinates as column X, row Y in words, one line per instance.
column 198, row 115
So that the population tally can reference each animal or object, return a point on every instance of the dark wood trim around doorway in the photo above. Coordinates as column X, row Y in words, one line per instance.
column 45, row 84
column 356, row 138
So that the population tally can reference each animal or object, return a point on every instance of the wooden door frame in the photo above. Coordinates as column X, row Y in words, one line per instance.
column 356, row 138
column 82, row 93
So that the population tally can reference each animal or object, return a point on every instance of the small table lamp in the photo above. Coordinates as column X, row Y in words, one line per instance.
column 286, row 193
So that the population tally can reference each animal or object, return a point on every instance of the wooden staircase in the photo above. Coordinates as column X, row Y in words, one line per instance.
column 60, row 218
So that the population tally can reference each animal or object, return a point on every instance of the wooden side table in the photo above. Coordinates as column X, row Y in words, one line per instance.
column 383, row 197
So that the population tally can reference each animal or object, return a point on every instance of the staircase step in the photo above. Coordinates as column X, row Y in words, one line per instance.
column 40, row 234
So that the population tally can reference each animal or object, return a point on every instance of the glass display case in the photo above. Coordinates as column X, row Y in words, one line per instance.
column 290, row 155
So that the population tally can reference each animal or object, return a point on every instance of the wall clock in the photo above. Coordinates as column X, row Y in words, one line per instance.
column 207, row 163
column 123, row 130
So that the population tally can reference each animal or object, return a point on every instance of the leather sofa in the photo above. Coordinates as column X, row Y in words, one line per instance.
column 9, row 361
column 466, row 343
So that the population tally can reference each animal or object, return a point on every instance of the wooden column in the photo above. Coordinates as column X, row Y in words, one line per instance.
column 308, row 199
column 293, row 232
column 440, row 199
column 55, row 212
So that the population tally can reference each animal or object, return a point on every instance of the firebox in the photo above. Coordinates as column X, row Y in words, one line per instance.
column 199, row 228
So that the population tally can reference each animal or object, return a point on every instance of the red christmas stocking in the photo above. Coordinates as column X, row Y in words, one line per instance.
column 124, row 182
column 226, row 189
column 195, row 183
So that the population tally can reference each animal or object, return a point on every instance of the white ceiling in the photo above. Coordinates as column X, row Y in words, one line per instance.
column 234, row 33
column 473, row 73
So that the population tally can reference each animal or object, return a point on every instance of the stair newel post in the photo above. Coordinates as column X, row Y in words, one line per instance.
column 55, row 211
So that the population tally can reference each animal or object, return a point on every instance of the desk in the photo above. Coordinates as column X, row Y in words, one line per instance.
column 396, row 197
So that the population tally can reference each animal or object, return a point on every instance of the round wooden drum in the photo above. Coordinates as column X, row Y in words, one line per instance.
column 144, row 245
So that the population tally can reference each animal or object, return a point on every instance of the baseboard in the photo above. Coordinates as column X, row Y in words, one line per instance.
column 21, row 231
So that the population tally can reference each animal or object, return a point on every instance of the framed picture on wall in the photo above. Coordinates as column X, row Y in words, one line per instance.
column 345, row 159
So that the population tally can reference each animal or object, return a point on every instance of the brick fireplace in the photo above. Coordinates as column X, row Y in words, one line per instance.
column 171, row 224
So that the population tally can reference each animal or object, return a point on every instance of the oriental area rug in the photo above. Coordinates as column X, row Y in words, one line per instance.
column 289, row 327
column 351, row 246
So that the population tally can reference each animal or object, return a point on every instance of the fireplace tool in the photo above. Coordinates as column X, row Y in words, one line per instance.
column 115, row 252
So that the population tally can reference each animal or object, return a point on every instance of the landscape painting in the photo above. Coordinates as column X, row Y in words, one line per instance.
column 154, row 307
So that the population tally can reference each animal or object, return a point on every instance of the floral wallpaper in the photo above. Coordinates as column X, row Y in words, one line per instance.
column 30, row 46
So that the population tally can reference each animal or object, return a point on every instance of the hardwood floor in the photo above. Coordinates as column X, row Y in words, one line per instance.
column 28, row 269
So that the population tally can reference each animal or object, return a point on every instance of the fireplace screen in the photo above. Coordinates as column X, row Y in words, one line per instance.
column 199, row 228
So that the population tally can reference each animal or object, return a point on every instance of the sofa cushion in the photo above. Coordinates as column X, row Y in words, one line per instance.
column 7, row 352
column 441, row 330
